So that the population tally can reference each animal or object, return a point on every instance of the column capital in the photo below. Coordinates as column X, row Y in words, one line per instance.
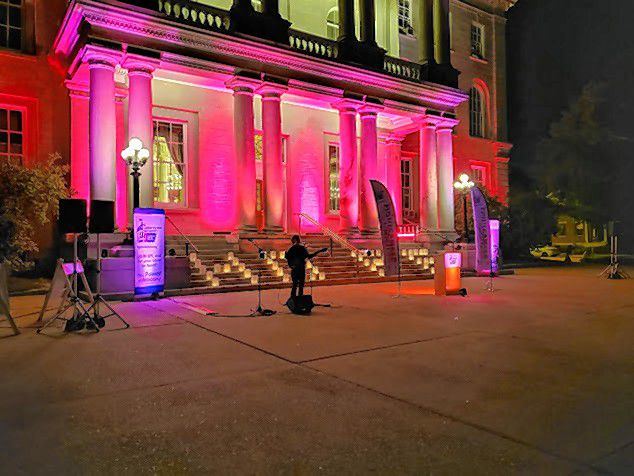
column 426, row 122
column 138, row 65
column 370, row 110
column 243, row 84
column 271, row 91
column 100, row 57
column 349, row 106
column 447, row 124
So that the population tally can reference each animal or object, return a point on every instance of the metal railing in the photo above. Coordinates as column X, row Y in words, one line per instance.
column 188, row 242
column 330, row 233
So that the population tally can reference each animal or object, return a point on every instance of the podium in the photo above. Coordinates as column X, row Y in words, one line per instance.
column 447, row 276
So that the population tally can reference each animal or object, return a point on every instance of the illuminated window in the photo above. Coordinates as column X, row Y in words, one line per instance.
column 562, row 228
column 405, row 17
column 259, row 154
column 476, row 113
column 333, row 178
column 406, row 185
column 11, row 24
column 477, row 40
column 11, row 134
column 332, row 24
column 169, row 163
column 580, row 228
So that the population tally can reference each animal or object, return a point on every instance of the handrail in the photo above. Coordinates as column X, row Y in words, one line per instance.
column 188, row 242
column 331, row 234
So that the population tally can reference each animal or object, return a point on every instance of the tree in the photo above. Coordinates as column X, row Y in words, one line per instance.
column 30, row 198
column 575, row 163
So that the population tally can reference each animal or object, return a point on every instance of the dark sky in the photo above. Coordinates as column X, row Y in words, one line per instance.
column 555, row 47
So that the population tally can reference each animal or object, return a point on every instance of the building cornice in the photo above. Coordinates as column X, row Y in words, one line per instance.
column 119, row 24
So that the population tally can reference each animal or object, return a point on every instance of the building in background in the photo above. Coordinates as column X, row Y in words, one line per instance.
column 259, row 111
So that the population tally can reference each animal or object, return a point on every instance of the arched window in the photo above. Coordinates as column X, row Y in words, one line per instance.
column 332, row 24
column 476, row 112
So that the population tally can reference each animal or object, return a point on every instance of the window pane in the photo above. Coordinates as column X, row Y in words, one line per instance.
column 169, row 163
column 15, row 17
column 3, row 15
column 4, row 142
column 3, row 36
column 15, row 39
column 15, row 144
column 15, row 124
column 4, row 123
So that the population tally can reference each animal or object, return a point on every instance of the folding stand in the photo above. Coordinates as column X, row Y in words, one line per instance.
column 4, row 299
column 98, row 298
column 70, row 297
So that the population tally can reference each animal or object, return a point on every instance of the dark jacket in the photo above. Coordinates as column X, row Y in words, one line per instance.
column 297, row 255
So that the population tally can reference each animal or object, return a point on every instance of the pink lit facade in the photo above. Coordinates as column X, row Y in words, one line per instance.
column 247, row 134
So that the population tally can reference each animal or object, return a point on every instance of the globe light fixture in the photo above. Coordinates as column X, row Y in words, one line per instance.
column 135, row 156
column 464, row 185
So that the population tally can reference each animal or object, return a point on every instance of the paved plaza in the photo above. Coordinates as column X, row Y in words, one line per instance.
column 535, row 377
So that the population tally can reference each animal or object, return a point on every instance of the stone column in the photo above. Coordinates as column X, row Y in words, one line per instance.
column 348, row 168
column 393, row 178
column 442, row 52
column 444, row 137
column 244, row 150
column 428, row 184
column 425, row 34
column 102, row 127
column 368, row 29
column 140, row 120
column 346, row 21
column 369, row 221
column 272, row 150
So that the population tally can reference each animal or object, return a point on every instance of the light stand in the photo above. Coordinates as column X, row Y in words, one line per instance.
column 98, row 319
column 463, row 185
column 613, row 270
column 135, row 155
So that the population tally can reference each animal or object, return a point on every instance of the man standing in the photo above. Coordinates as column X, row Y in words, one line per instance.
column 296, row 257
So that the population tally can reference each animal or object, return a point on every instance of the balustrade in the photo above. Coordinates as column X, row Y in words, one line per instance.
column 195, row 14
column 313, row 45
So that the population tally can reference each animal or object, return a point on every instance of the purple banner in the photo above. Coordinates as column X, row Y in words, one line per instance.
column 389, row 228
column 481, row 226
column 494, row 238
column 149, row 250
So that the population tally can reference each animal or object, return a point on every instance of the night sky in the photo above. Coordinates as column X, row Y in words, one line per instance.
column 555, row 47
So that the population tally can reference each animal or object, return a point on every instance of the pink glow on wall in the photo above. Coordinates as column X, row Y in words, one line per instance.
column 218, row 175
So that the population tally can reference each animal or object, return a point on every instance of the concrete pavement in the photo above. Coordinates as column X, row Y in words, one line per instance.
column 537, row 376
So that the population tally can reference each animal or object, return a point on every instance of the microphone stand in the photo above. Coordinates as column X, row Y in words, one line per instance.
column 260, row 311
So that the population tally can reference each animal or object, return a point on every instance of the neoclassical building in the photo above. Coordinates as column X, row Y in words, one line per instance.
column 259, row 111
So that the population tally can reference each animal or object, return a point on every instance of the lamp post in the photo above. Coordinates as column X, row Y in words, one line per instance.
column 463, row 185
column 135, row 155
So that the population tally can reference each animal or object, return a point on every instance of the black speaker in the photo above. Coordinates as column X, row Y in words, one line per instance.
column 72, row 215
column 302, row 305
column 101, row 216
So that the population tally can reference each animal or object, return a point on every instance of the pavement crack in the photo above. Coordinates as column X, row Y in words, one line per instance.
column 383, row 347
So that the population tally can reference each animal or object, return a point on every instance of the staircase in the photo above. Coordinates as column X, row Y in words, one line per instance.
column 220, row 266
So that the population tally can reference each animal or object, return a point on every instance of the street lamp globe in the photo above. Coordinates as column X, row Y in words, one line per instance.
column 135, row 156
column 464, row 185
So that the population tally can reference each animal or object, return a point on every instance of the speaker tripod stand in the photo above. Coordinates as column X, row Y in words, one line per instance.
column 70, row 299
column 98, row 319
